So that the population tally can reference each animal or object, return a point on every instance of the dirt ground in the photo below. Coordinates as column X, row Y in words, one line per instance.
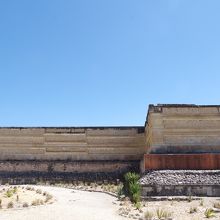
column 12, row 197
column 188, row 209
column 69, row 204
column 180, row 210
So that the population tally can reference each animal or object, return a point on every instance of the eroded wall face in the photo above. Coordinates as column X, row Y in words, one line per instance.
column 71, row 143
column 183, row 129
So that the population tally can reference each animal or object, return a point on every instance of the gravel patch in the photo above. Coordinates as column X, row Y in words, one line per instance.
column 183, row 177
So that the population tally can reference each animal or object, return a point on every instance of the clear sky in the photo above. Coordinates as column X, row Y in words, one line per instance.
column 101, row 62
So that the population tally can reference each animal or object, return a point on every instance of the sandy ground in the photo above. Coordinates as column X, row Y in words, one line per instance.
column 72, row 204
column 69, row 205
column 19, row 196
column 180, row 210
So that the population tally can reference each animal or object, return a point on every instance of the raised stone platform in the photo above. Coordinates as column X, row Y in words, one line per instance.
column 181, row 183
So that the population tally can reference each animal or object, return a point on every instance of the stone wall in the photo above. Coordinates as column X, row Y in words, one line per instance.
column 97, row 143
column 180, row 190
column 183, row 129
column 30, row 155
column 169, row 129
column 31, row 171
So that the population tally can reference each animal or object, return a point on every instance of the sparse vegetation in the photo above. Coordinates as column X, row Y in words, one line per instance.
column 28, row 188
column 189, row 198
column 39, row 191
column 132, row 187
column 193, row 210
column 216, row 205
column 18, row 197
column 148, row 215
column 137, row 205
column 48, row 197
column 10, row 205
column 9, row 193
column 120, row 190
column 164, row 209
column 15, row 189
column 25, row 204
column 37, row 202
column 209, row 213
column 163, row 214
column 160, row 213
column 201, row 202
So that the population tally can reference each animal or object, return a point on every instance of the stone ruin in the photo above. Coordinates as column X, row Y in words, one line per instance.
column 177, row 151
column 182, row 151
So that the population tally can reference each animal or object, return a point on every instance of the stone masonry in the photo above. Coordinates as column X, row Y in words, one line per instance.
column 183, row 129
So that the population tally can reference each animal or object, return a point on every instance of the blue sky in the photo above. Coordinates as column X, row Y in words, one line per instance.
column 101, row 62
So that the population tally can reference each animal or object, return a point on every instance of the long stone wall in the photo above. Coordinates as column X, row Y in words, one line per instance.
column 116, row 143
column 112, row 151
column 30, row 155
column 98, row 143
column 183, row 129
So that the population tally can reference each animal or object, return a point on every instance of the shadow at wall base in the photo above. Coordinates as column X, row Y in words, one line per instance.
column 33, row 172
column 180, row 190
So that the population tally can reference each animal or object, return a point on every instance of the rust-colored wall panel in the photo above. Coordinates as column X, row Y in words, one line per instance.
column 181, row 161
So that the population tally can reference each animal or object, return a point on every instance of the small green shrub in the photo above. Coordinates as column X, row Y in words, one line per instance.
column 216, row 205
column 136, row 197
column 34, row 203
column 9, row 193
column 130, row 178
column 159, row 213
column 148, row 215
column 137, row 205
column 209, row 213
column 132, row 187
column 39, row 191
column 201, row 203
column 10, row 205
column 15, row 189
column 167, row 214
column 41, row 202
column 163, row 214
column 25, row 204
column 193, row 210
column 189, row 198
column 120, row 191
column 48, row 197
column 37, row 202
